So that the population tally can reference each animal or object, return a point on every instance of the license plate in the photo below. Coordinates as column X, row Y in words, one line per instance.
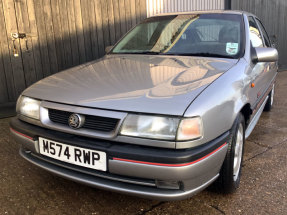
column 75, row 155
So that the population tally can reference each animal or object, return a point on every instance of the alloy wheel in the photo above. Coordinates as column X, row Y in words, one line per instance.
column 238, row 152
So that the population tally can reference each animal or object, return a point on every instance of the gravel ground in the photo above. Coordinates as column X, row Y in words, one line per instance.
column 26, row 189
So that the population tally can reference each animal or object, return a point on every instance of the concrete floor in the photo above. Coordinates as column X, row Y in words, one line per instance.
column 7, row 110
column 26, row 189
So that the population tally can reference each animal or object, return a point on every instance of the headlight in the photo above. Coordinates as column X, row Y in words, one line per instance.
column 28, row 107
column 154, row 127
column 164, row 128
column 190, row 129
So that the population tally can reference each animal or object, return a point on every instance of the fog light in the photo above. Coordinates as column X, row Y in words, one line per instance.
column 174, row 185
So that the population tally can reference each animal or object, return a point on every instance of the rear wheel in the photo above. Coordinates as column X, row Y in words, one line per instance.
column 230, row 172
column 269, row 103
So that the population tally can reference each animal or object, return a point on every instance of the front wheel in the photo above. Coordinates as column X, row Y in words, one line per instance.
column 230, row 172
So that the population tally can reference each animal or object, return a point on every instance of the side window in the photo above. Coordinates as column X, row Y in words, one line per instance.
column 265, row 35
column 254, row 33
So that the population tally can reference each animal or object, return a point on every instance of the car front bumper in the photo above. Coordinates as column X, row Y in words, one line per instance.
column 134, row 170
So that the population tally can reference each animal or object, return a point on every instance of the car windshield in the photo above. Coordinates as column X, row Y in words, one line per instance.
column 208, row 35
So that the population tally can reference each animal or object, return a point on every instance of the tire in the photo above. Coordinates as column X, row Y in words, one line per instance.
column 269, row 103
column 230, row 172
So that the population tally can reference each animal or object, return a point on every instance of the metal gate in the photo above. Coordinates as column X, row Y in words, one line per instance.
column 168, row 6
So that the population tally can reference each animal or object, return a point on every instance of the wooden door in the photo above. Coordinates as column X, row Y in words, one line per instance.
column 18, row 56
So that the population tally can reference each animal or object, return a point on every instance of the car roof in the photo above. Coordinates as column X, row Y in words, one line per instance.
column 206, row 12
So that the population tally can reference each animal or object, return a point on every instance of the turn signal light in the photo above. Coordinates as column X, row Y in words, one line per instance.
column 190, row 128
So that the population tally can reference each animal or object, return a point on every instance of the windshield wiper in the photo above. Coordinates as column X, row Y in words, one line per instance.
column 200, row 54
column 143, row 52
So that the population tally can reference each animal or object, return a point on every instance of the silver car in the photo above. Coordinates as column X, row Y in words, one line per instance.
column 163, row 115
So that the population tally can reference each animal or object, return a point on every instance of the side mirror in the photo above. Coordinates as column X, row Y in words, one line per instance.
column 265, row 55
column 108, row 49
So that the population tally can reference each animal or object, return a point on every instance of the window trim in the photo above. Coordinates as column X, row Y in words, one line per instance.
column 262, row 38
column 261, row 31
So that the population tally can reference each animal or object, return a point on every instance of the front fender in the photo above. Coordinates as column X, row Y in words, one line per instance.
column 219, row 104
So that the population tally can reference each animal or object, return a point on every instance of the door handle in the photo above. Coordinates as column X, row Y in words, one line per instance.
column 17, row 35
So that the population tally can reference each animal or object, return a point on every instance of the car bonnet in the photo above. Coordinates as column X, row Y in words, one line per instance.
column 133, row 83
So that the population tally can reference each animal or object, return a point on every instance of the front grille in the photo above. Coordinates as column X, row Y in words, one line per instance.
column 96, row 123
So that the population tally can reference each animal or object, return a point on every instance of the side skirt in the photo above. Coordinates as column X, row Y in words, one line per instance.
column 255, row 119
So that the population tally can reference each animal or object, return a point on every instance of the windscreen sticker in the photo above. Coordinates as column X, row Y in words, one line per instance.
column 183, row 36
column 231, row 48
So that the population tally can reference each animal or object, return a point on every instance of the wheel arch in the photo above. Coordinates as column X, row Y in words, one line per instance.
column 246, row 112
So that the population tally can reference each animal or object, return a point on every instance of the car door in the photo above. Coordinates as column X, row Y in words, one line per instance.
column 272, row 67
column 259, row 72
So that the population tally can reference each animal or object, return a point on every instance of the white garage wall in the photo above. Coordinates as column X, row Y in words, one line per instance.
column 168, row 6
